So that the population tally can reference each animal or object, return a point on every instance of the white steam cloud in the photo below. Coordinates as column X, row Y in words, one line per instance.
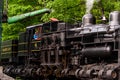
column 89, row 5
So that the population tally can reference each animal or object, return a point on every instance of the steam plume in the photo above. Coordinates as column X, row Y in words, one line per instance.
column 89, row 5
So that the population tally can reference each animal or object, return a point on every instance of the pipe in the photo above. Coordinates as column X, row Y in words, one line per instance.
column 26, row 15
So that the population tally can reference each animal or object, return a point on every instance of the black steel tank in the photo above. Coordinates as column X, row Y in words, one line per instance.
column 99, row 51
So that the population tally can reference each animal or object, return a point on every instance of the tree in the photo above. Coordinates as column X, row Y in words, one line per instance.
column 11, row 31
column 65, row 10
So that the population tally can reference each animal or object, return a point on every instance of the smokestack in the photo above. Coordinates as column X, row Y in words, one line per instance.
column 88, row 19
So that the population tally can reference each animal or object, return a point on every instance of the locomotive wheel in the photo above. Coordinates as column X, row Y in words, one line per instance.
column 111, row 74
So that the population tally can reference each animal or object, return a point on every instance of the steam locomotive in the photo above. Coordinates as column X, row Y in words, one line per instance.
column 86, row 51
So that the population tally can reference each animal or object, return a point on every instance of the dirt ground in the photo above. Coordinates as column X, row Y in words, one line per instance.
column 4, row 76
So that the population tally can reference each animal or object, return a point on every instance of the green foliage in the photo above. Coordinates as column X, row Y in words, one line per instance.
column 64, row 10
column 10, row 31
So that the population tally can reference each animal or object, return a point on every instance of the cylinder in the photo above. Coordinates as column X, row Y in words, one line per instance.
column 114, row 18
column 88, row 19
column 102, row 51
